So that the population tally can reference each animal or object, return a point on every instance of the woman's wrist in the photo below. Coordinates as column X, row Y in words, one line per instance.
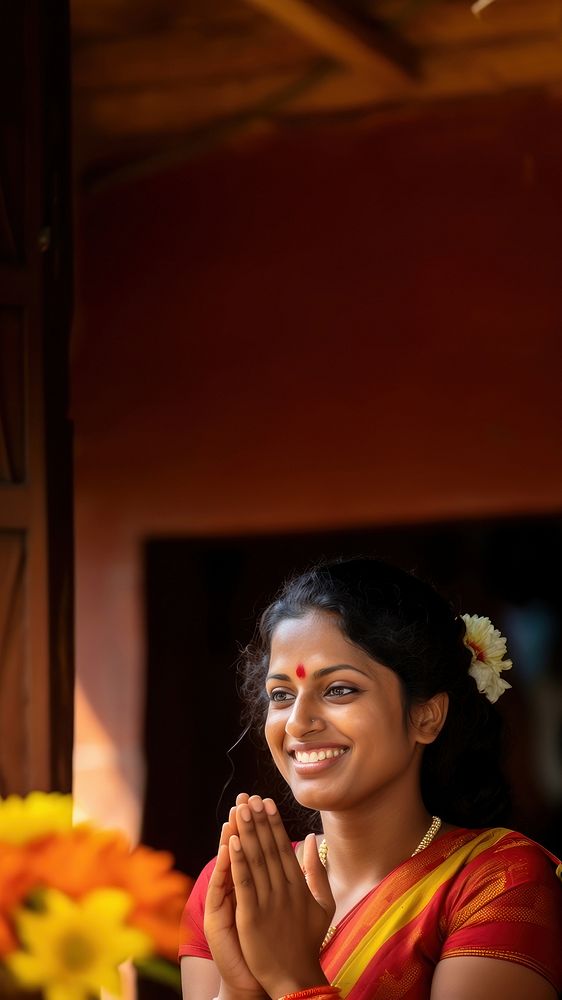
column 285, row 985
column 321, row 992
column 228, row 993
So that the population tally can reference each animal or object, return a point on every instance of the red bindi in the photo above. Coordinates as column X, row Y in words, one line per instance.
column 300, row 671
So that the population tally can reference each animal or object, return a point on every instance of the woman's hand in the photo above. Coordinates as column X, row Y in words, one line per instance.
column 281, row 917
column 220, row 924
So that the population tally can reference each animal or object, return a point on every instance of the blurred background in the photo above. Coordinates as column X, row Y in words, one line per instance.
column 317, row 311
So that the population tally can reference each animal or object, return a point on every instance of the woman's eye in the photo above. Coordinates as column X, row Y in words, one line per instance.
column 279, row 695
column 340, row 690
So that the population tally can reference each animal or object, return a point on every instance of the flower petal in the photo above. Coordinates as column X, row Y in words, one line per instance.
column 25, row 968
column 110, row 905
column 488, row 648
column 39, row 814
column 66, row 991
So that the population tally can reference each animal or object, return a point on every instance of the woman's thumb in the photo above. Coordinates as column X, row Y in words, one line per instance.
column 317, row 877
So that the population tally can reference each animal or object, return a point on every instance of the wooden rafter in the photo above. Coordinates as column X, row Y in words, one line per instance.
column 352, row 40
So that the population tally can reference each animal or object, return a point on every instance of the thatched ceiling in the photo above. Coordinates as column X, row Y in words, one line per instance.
column 158, row 80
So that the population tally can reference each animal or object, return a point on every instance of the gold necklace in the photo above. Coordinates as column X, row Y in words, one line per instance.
column 428, row 836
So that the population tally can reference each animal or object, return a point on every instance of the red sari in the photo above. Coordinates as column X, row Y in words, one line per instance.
column 490, row 893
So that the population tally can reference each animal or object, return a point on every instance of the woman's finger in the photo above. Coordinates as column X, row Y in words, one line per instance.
column 231, row 825
column 291, row 867
column 317, row 876
column 226, row 833
column 253, row 853
column 242, row 877
column 267, row 843
column 219, row 881
column 241, row 798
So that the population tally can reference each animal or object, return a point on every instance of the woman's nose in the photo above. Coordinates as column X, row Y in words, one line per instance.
column 305, row 718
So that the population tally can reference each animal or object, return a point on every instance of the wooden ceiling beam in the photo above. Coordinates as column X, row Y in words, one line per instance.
column 177, row 56
column 448, row 73
column 352, row 40
column 453, row 23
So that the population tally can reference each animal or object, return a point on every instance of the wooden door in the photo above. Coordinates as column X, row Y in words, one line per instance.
column 36, row 672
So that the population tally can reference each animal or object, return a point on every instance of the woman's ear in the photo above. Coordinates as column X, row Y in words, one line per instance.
column 428, row 717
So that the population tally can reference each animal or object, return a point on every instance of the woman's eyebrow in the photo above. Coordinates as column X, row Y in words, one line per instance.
column 320, row 673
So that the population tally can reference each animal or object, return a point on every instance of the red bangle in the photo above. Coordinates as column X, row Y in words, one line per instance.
column 330, row 992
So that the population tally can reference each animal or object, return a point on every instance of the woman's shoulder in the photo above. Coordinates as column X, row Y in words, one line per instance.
column 498, row 852
column 505, row 902
column 506, row 842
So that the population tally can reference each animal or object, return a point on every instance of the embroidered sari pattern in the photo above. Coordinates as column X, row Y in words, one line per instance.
column 459, row 897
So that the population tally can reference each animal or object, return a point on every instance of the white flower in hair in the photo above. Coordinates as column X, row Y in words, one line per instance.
column 488, row 647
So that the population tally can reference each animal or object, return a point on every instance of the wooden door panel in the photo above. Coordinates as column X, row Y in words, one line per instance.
column 12, row 403
column 13, row 673
column 36, row 583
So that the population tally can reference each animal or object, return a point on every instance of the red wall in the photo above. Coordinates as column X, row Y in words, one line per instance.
column 336, row 326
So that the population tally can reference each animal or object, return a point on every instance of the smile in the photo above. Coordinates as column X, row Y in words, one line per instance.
column 315, row 755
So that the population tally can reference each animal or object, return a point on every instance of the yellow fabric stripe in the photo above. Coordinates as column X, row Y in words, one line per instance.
column 400, row 913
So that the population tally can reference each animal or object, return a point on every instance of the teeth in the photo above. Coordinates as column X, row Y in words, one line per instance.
column 315, row 755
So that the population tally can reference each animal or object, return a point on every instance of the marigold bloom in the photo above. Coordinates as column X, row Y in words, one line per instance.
column 16, row 881
column 16, row 877
column 77, row 862
column 8, row 940
column 88, row 859
column 159, row 893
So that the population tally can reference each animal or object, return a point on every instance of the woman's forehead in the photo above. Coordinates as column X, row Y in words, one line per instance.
column 317, row 636
column 309, row 629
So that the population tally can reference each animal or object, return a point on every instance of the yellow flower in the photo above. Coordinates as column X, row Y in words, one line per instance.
column 39, row 814
column 488, row 647
column 72, row 949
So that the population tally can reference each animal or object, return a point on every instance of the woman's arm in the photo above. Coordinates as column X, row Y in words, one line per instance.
column 470, row 978
column 281, row 915
column 210, row 910
column 200, row 979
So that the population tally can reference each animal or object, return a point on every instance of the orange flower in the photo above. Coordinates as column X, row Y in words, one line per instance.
column 76, row 863
column 86, row 859
column 16, row 878
column 8, row 940
column 16, row 881
column 159, row 893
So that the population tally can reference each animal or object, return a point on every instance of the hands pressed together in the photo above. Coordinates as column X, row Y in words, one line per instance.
column 264, row 922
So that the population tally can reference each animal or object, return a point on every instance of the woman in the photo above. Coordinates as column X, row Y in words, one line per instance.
column 377, row 707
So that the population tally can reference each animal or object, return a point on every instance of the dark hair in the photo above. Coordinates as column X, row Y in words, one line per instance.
column 403, row 623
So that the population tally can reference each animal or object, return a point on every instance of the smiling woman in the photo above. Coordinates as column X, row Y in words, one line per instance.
column 375, row 702
column 350, row 712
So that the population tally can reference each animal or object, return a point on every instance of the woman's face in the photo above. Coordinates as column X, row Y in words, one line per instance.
column 335, row 726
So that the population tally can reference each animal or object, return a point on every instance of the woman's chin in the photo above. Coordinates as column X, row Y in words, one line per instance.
column 317, row 802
